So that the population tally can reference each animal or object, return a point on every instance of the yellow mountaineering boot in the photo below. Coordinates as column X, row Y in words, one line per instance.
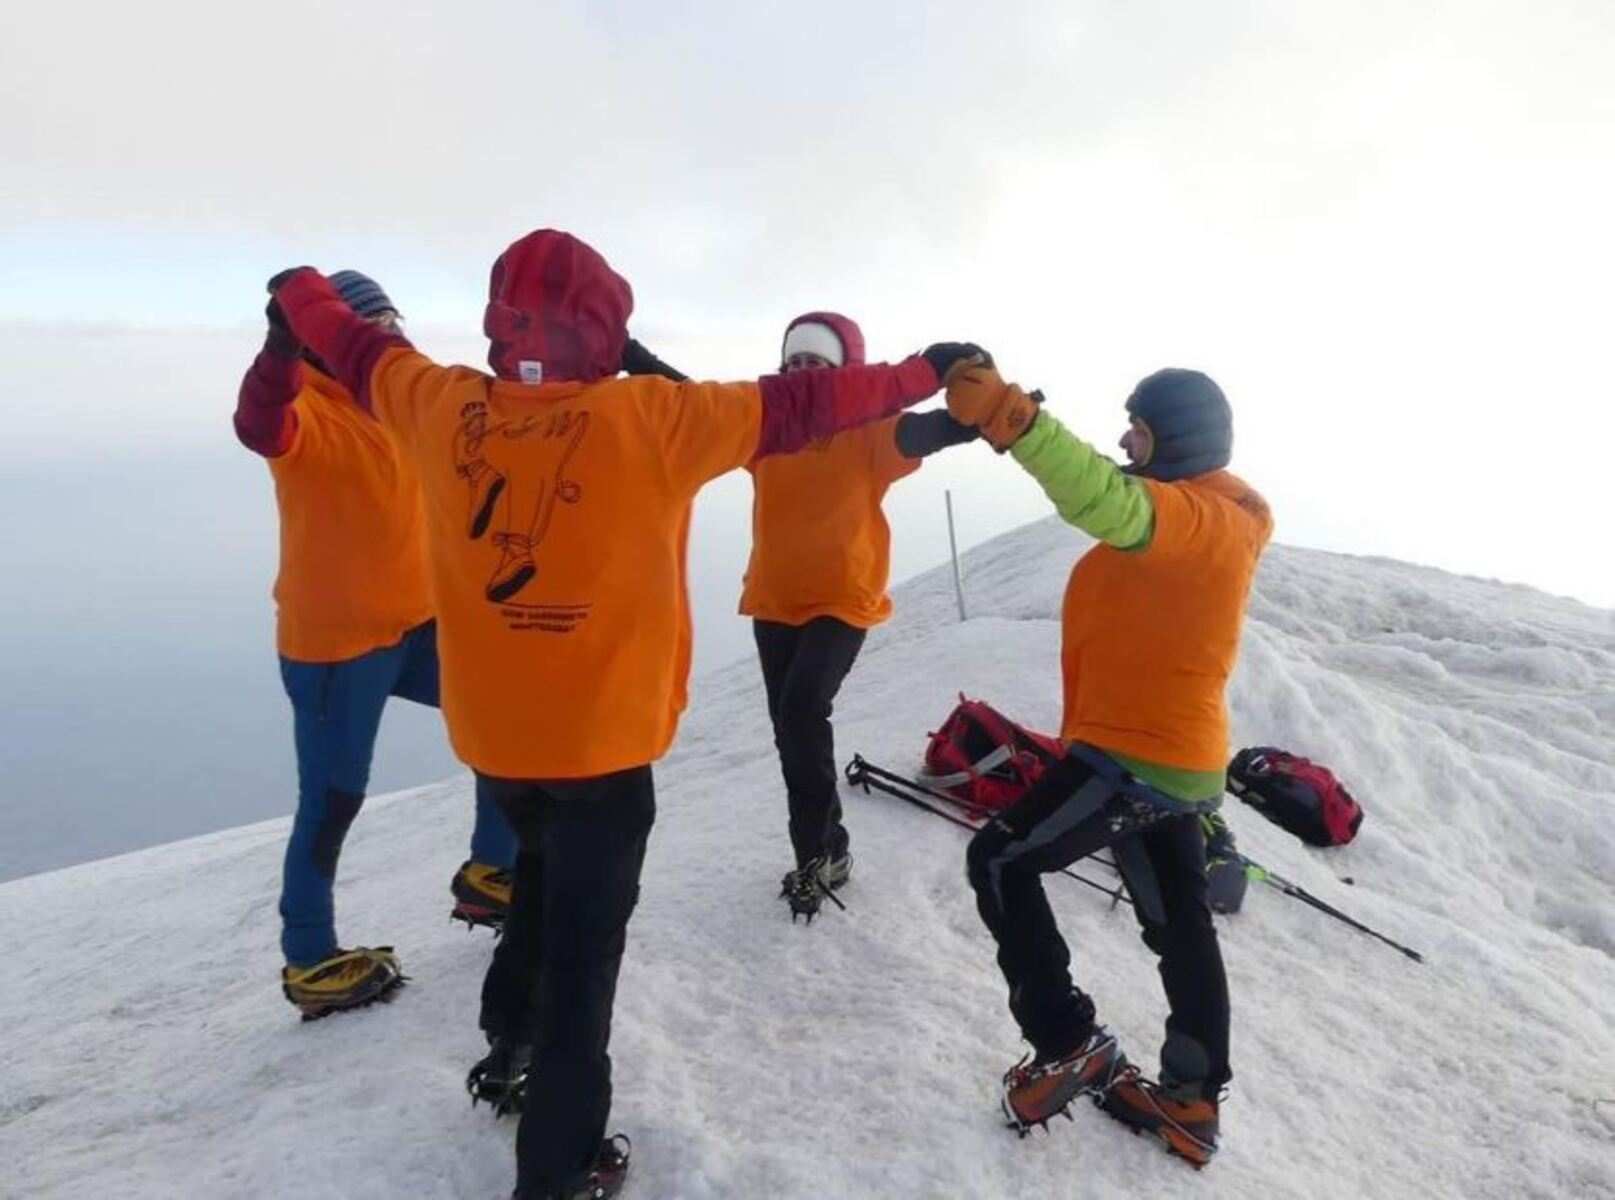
column 481, row 894
column 347, row 979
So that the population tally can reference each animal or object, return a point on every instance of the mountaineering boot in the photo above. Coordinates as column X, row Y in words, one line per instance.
column 605, row 1178
column 481, row 895
column 805, row 888
column 1036, row 1089
column 500, row 1077
column 833, row 872
column 347, row 979
column 836, row 871
column 1180, row 1116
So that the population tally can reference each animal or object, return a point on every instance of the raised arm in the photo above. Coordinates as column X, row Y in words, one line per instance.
column 636, row 360
column 920, row 435
column 322, row 321
column 265, row 421
column 802, row 407
column 1088, row 490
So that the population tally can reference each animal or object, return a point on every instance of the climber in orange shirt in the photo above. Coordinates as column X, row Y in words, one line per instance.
column 816, row 585
column 354, row 627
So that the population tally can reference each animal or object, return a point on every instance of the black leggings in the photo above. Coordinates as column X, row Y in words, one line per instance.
column 1074, row 811
column 803, row 668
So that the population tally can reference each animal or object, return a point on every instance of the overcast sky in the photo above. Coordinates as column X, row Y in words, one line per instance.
column 1383, row 227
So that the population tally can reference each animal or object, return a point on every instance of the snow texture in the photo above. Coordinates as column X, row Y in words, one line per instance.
column 148, row 1051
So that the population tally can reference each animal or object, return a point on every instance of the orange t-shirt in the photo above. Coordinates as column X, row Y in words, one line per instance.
column 1150, row 636
column 820, row 545
column 558, row 517
column 352, row 533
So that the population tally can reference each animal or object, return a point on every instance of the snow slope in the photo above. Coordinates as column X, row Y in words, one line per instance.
column 147, row 1051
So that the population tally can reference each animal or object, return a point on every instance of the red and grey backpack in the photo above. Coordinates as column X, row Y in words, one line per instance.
column 1295, row 793
column 985, row 759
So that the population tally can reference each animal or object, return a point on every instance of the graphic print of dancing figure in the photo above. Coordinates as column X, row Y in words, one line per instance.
column 524, row 514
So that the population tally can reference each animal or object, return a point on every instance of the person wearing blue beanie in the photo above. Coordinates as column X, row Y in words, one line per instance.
column 1150, row 633
column 355, row 627
column 1188, row 423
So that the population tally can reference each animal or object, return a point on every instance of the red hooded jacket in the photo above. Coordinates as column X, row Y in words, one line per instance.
column 556, row 311
column 845, row 328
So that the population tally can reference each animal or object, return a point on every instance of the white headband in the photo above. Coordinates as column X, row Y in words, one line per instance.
column 813, row 337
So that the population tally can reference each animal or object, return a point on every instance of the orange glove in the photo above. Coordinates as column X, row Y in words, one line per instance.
column 978, row 395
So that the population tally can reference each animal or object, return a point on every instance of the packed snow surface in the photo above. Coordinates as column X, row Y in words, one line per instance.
column 148, row 1052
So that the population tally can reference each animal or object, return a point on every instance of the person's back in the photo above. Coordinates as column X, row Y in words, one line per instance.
column 558, row 503
column 559, row 514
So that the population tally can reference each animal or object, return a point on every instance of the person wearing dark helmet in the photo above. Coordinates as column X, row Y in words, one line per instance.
column 816, row 584
column 1151, row 626
column 354, row 627
column 558, row 501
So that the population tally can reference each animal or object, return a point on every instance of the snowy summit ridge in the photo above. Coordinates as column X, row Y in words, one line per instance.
column 149, row 1053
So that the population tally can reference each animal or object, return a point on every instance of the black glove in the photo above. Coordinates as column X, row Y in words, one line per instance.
column 943, row 355
column 280, row 338
column 636, row 360
column 922, row 434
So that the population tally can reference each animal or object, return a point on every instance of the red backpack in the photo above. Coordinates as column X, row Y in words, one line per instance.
column 1296, row 794
column 984, row 759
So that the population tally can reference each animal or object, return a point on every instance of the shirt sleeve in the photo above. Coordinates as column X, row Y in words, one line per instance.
column 704, row 429
column 1088, row 490
column 404, row 388
column 1188, row 519
column 802, row 407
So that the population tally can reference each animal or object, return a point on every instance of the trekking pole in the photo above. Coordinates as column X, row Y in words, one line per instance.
column 866, row 775
column 1256, row 871
column 862, row 766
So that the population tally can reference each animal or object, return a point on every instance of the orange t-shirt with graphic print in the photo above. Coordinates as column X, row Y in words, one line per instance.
column 1151, row 635
column 558, row 519
column 352, row 533
column 820, row 545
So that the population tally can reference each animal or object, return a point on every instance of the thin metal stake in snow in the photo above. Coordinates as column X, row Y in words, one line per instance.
column 953, row 548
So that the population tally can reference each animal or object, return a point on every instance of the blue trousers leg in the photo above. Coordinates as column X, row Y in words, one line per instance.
column 336, row 709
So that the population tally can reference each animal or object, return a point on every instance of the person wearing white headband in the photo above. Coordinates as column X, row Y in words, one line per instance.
column 815, row 586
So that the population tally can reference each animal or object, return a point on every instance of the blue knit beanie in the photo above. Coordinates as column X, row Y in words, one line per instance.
column 1190, row 420
column 363, row 294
